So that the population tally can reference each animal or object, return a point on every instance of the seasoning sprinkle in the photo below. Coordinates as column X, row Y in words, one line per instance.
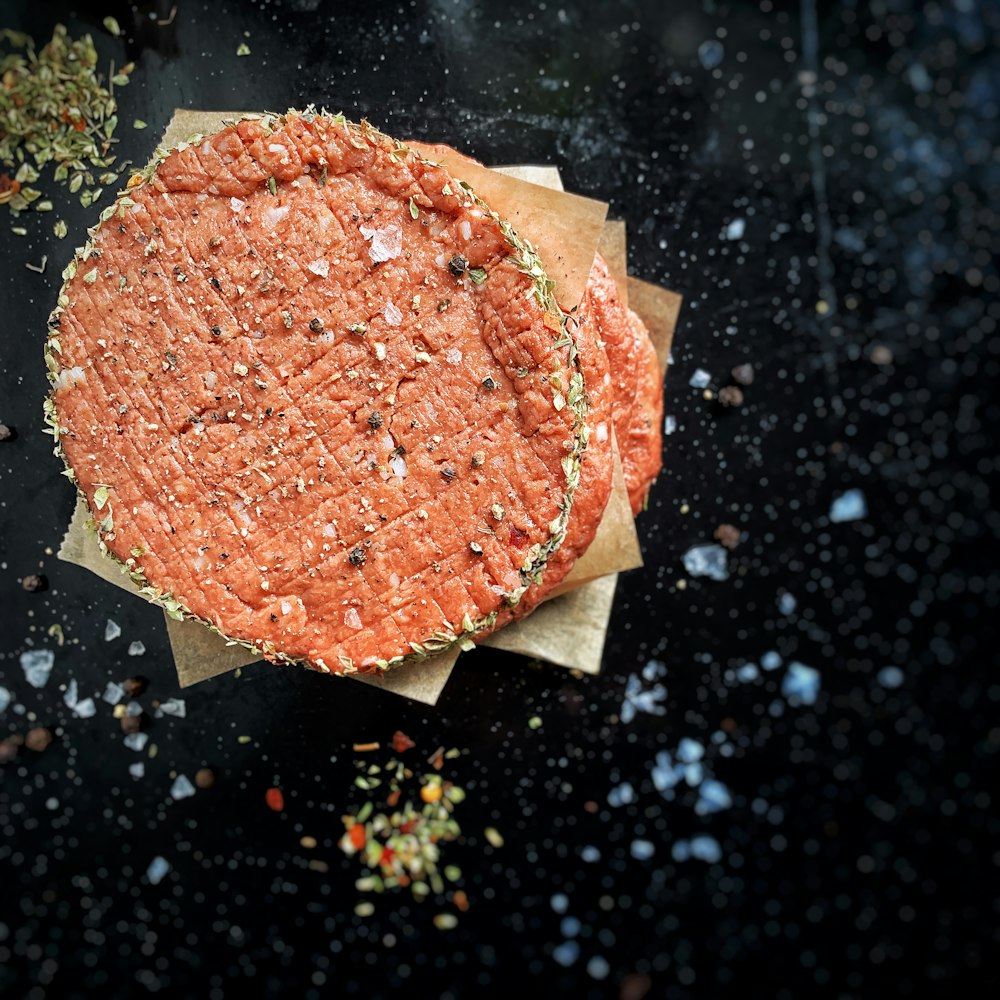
column 401, row 844
column 55, row 109
column 457, row 265
column 356, row 557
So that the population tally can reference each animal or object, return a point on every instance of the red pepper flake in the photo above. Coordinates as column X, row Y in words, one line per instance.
column 518, row 537
column 357, row 835
column 365, row 747
column 401, row 742
column 275, row 800
column 393, row 799
column 437, row 759
column 460, row 900
column 77, row 120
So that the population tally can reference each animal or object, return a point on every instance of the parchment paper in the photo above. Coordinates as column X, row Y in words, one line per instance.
column 567, row 631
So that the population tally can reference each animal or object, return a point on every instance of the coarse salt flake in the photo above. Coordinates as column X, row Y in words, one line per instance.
column 386, row 243
column 392, row 314
column 274, row 215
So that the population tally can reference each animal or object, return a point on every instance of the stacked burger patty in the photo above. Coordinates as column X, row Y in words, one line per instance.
column 320, row 397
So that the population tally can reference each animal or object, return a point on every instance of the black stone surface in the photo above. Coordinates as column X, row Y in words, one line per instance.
column 818, row 183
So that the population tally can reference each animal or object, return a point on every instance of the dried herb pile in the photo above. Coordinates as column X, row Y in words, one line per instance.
column 399, row 839
column 55, row 108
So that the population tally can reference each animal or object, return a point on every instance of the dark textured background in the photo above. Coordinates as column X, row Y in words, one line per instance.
column 858, row 855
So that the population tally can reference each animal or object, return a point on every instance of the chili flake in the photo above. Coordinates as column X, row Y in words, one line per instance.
column 401, row 742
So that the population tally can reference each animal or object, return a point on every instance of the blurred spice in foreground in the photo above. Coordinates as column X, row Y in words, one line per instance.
column 399, row 838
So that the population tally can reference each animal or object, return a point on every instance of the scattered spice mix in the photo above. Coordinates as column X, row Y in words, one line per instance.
column 55, row 108
column 399, row 839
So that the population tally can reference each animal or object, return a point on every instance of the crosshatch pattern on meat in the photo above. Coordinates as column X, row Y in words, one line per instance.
column 596, row 467
column 298, row 369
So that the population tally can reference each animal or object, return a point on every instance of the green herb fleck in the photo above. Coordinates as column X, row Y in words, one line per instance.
column 139, row 123
column 272, row 185
column 243, row 49
column 112, row 25
column 477, row 274
column 414, row 210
